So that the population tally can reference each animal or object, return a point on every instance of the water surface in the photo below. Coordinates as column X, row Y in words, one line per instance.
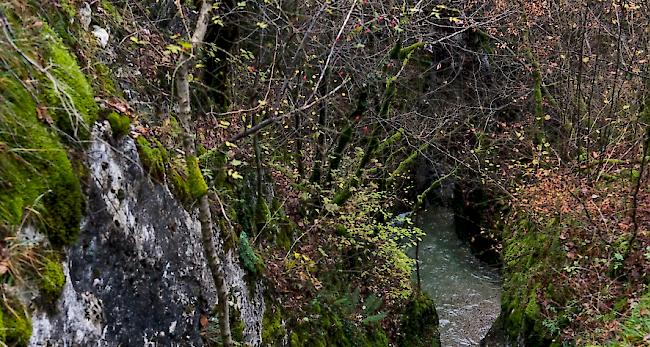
column 466, row 290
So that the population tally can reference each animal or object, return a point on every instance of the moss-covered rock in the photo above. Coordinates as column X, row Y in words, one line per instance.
column 103, row 82
column 177, row 176
column 327, row 324
column 120, row 124
column 528, row 251
column 52, row 279
column 153, row 157
column 70, row 95
column 236, row 325
column 36, row 172
column 419, row 326
column 262, row 213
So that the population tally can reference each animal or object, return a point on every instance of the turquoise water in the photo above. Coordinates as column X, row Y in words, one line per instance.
column 466, row 291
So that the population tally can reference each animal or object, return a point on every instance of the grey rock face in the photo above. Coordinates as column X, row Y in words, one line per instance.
column 137, row 276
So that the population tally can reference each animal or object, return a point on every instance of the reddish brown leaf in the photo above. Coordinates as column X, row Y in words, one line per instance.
column 203, row 321
column 43, row 115
column 119, row 105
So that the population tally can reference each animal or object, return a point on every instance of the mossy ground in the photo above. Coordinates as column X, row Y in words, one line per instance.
column 571, row 277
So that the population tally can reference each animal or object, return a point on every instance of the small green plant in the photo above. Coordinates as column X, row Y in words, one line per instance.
column 250, row 260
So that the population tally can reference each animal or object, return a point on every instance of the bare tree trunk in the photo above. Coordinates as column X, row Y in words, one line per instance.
column 299, row 144
column 316, row 171
column 205, row 216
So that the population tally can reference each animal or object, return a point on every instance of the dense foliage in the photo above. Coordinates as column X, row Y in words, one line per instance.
column 312, row 123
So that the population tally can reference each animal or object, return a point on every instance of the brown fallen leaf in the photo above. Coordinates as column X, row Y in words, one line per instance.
column 120, row 106
column 43, row 115
column 203, row 321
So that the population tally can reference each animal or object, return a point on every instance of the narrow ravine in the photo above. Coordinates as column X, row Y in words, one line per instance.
column 466, row 290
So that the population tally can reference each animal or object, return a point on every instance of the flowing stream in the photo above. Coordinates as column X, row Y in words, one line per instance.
column 466, row 290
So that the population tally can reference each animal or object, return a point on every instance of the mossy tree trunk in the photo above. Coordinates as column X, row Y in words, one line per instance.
column 538, row 98
column 346, row 136
column 390, row 90
column 199, row 187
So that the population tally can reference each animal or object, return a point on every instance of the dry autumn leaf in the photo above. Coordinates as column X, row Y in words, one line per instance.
column 203, row 321
column 43, row 115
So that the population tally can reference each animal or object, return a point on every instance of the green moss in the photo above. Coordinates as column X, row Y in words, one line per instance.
column 294, row 340
column 285, row 235
column 62, row 214
column 16, row 324
column 273, row 330
column 3, row 330
column 52, row 279
column 528, row 252
column 200, row 148
column 119, row 124
column 419, row 326
column 104, row 82
column 195, row 180
column 112, row 11
column 406, row 52
column 153, row 157
column 236, row 325
column 532, row 308
column 73, row 104
column 68, row 7
column 341, row 230
column 262, row 213
column 35, row 172
column 179, row 186
column 332, row 323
